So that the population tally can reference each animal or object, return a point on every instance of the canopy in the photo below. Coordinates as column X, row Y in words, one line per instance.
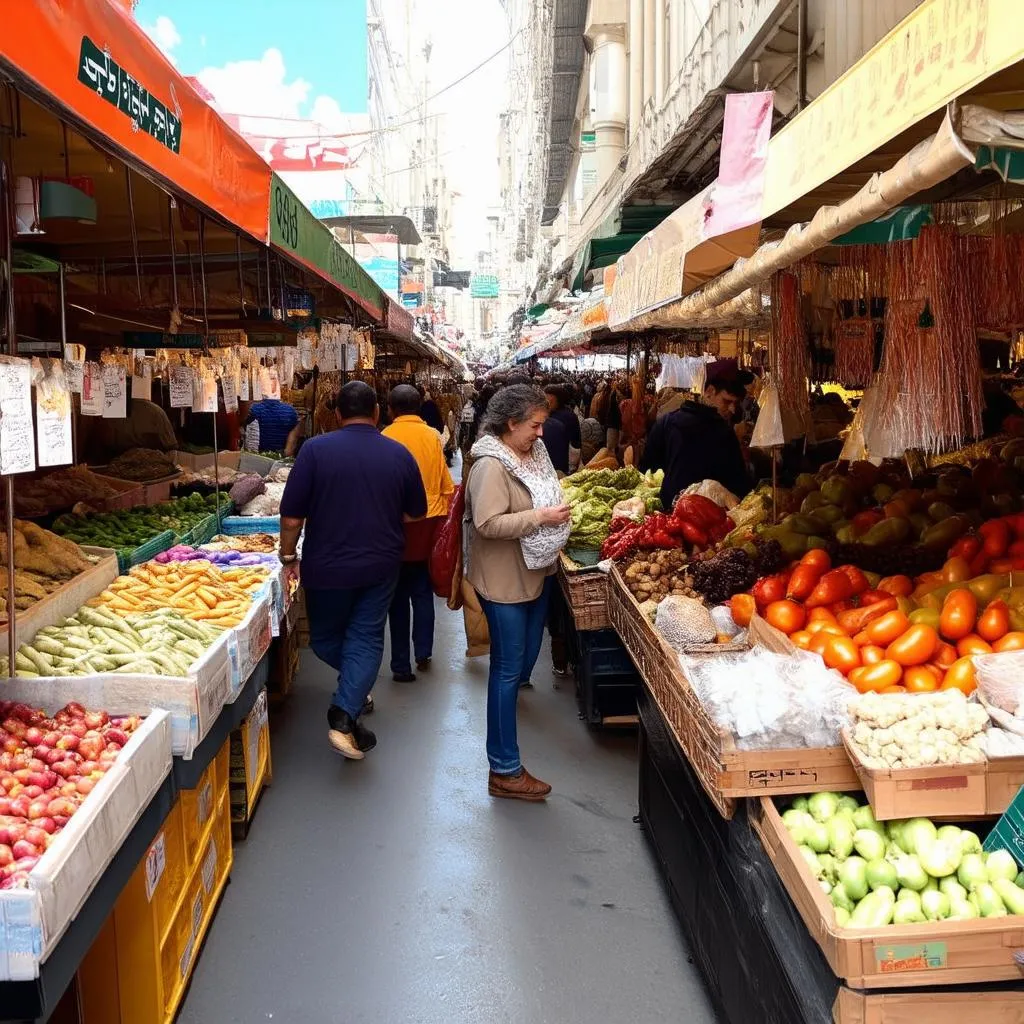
column 378, row 224
column 91, row 59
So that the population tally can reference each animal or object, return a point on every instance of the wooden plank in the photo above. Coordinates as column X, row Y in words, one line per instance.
column 950, row 1006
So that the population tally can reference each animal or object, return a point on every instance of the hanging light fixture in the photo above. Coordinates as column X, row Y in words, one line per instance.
column 68, row 198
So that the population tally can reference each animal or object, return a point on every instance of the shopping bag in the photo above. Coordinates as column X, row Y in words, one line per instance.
column 768, row 430
column 446, row 556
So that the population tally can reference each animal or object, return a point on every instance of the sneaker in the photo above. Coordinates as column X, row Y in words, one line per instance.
column 403, row 677
column 521, row 786
column 368, row 706
column 342, row 734
column 423, row 665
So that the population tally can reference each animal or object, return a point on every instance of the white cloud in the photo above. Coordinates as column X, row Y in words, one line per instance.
column 165, row 34
column 258, row 88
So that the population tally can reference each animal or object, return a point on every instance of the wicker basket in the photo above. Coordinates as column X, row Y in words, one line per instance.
column 725, row 771
column 586, row 593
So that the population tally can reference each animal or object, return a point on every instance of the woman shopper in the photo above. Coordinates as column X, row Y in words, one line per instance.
column 516, row 524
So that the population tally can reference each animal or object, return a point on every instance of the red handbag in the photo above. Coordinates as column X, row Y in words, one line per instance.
column 446, row 555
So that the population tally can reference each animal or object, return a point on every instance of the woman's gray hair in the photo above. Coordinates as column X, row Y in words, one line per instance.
column 511, row 405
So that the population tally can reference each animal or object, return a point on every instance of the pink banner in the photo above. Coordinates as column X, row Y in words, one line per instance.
column 738, row 194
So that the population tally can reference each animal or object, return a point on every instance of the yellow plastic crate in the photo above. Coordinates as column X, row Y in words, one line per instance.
column 199, row 804
column 157, row 927
column 251, row 767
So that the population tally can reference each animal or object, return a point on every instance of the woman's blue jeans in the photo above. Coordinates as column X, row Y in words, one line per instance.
column 517, row 632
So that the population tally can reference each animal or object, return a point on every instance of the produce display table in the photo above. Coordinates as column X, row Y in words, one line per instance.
column 35, row 1000
column 744, row 931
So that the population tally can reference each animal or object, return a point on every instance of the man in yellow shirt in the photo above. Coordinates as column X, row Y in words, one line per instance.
column 414, row 586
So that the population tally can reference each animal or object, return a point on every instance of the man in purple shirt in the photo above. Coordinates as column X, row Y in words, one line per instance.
column 352, row 489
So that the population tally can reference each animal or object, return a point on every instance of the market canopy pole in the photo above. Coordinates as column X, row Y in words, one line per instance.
column 7, row 196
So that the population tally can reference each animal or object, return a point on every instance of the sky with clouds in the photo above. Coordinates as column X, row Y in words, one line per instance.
column 307, row 59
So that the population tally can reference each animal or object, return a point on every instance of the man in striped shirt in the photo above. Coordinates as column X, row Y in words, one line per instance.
column 278, row 425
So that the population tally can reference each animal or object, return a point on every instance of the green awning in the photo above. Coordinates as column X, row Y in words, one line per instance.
column 1007, row 163
column 897, row 225
column 614, row 238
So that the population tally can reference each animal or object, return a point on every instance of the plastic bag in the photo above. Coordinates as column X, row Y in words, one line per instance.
column 772, row 701
column 1001, row 681
column 446, row 557
column 768, row 432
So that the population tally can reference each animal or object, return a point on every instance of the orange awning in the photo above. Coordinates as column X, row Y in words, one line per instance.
column 109, row 79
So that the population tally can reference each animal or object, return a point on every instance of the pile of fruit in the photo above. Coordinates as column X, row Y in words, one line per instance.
column 43, row 562
column 127, row 529
column 902, row 872
column 891, row 634
column 162, row 642
column 198, row 590
column 48, row 766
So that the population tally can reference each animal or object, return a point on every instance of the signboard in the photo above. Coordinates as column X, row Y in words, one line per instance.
column 484, row 286
column 383, row 271
column 294, row 230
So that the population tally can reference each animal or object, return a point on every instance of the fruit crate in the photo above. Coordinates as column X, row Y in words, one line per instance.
column 138, row 969
column 895, row 956
column 938, row 791
column 251, row 768
column 947, row 1006
column 725, row 771
column 606, row 678
column 586, row 593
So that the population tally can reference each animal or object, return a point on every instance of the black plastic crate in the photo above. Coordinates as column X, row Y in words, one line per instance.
column 606, row 679
column 601, row 653
column 611, row 697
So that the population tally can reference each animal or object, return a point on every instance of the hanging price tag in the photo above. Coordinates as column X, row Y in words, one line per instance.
column 181, row 387
column 142, row 381
column 204, row 396
column 229, row 384
column 74, row 361
column 243, row 384
column 270, row 386
column 92, row 390
column 115, row 392
column 17, row 445
column 257, row 390
column 53, row 415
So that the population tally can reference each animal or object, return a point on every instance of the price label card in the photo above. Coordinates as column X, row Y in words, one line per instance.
column 142, row 381
column 270, row 386
column 205, row 398
column 243, row 384
column 17, row 445
column 92, row 390
column 257, row 383
column 306, row 350
column 181, row 387
column 229, row 384
column 115, row 393
column 74, row 363
column 53, row 415
column 156, row 862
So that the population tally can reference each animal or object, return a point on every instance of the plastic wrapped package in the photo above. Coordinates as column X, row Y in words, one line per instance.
column 1001, row 680
column 721, row 615
column 772, row 701
column 714, row 491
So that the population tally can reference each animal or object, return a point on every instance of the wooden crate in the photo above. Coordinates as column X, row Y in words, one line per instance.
column 1003, row 778
column 939, row 791
column 896, row 956
column 725, row 771
column 586, row 593
column 948, row 1006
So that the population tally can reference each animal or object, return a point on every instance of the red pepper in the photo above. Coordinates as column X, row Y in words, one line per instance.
column 966, row 547
column 979, row 564
column 700, row 510
column 856, row 619
column 996, row 537
column 863, row 521
column 694, row 534
column 803, row 581
column 832, row 587
column 858, row 580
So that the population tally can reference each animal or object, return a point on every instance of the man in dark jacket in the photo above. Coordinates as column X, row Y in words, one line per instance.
column 697, row 442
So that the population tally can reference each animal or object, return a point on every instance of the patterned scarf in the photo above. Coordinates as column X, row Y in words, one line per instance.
column 540, row 548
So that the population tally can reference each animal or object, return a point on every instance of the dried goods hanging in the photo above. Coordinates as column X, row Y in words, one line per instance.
column 792, row 362
column 930, row 377
column 854, row 343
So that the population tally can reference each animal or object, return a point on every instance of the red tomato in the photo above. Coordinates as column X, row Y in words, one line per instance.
column 742, row 608
column 819, row 641
column 960, row 676
column 1013, row 641
column 994, row 622
column 875, row 597
column 917, row 679
column 785, row 615
column 871, row 654
column 945, row 655
column 822, row 614
column 914, row 647
column 877, row 677
column 841, row 653
column 959, row 613
column 801, row 638
column 973, row 644
column 898, row 586
column 857, row 674
column 886, row 629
